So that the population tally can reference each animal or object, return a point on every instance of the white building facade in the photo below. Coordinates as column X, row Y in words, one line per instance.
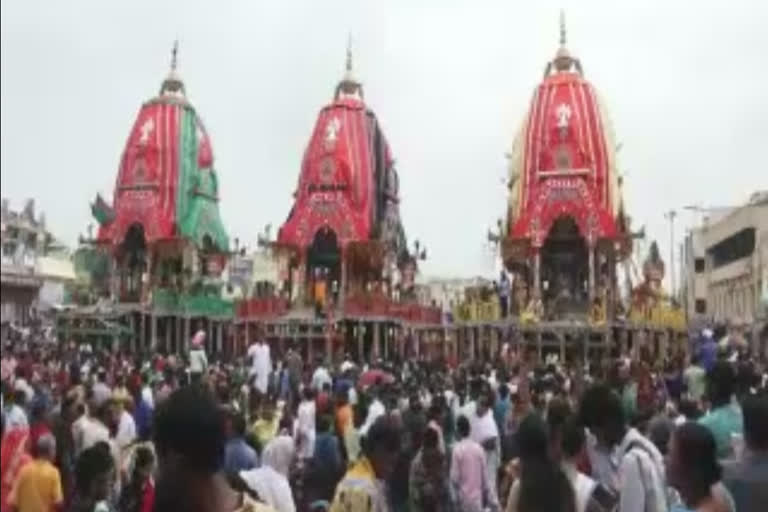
column 726, row 266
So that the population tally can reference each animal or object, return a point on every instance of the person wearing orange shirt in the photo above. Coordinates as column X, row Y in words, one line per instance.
column 38, row 486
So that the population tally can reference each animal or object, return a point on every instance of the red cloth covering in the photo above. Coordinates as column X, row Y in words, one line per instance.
column 566, row 163
column 13, row 456
column 148, row 498
column 337, row 185
column 145, row 192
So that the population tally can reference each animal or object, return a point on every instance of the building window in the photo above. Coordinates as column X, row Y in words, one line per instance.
column 735, row 247
column 699, row 265
column 701, row 306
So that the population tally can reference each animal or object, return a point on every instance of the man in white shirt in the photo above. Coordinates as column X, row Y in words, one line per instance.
column 320, row 377
column 305, row 429
column 485, row 432
column 375, row 409
column 261, row 365
column 21, row 384
column 126, row 429
column 641, row 475
column 15, row 417
column 101, row 392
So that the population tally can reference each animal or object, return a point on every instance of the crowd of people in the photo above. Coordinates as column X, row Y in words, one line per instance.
column 91, row 430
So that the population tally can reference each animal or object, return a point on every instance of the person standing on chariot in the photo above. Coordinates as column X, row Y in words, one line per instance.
column 261, row 364
column 198, row 362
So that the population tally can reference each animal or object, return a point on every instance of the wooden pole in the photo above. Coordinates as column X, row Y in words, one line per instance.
column 360, row 342
column 187, row 335
column 153, row 331
column 375, row 351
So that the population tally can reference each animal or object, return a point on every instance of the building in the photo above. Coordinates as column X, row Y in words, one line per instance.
column 23, row 238
column 725, row 262
column 36, row 267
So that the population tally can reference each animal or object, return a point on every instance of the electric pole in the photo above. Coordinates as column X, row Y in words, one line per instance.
column 670, row 216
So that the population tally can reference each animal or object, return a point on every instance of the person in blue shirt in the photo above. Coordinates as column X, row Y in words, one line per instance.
column 501, row 408
column 238, row 455
column 707, row 350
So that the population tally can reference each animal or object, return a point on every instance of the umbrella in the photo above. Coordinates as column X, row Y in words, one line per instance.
column 375, row 376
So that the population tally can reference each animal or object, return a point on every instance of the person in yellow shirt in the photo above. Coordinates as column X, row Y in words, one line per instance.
column 38, row 486
column 264, row 429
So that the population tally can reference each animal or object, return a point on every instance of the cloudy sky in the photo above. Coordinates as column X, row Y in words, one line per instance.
column 685, row 82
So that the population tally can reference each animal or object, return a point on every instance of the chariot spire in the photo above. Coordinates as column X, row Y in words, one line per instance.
column 349, row 84
column 173, row 84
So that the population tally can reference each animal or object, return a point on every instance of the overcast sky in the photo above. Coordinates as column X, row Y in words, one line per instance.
column 685, row 83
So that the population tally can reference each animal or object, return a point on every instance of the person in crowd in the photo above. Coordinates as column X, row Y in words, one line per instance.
column 345, row 425
column 101, row 391
column 265, row 427
column 320, row 377
column 126, row 425
column 747, row 478
column 37, row 487
column 189, row 439
column 326, row 466
column 707, row 350
column 428, row 482
column 238, row 456
column 541, row 485
column 198, row 361
column 78, row 425
column 96, row 428
column 40, row 425
column 269, row 481
column 695, row 378
column 467, row 475
column 94, row 479
column 323, row 400
column 640, row 469
column 22, row 384
column 589, row 494
column 360, row 489
column 261, row 364
column 14, row 414
column 65, row 448
column 504, row 289
column 305, row 425
column 484, row 431
column 142, row 414
column 724, row 418
column 501, row 409
column 295, row 367
column 693, row 469
column 120, row 393
column 281, row 451
column 139, row 493
column 7, row 366
column 375, row 410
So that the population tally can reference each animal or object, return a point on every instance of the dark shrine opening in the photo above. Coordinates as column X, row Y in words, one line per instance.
column 133, row 263
column 565, row 270
column 324, row 267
